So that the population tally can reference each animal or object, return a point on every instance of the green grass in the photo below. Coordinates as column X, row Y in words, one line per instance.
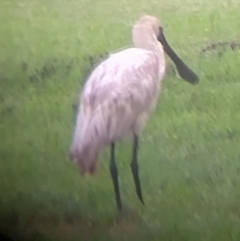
column 189, row 155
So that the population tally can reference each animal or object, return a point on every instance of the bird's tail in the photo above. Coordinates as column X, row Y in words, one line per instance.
column 87, row 143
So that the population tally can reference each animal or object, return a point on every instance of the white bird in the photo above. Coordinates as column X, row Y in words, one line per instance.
column 118, row 97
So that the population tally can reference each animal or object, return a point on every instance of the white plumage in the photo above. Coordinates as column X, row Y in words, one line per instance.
column 119, row 94
column 116, row 99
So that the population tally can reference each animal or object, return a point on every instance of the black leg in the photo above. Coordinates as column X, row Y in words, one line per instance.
column 114, row 174
column 134, row 166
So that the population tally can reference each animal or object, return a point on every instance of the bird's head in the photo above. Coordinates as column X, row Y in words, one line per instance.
column 151, row 26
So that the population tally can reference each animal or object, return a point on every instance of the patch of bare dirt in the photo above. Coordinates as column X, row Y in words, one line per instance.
column 71, row 226
column 221, row 47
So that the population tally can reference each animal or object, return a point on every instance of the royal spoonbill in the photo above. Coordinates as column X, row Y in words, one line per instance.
column 119, row 96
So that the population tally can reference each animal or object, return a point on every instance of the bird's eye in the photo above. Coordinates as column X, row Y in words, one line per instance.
column 160, row 30
column 160, row 34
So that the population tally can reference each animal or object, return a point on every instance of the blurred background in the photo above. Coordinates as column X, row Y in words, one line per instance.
column 189, row 155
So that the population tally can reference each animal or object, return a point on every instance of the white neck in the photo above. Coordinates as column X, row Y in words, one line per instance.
column 145, row 39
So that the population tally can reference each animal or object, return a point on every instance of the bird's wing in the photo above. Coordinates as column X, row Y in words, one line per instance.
column 130, row 77
column 119, row 90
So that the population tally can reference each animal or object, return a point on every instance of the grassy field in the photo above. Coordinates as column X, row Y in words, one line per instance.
column 189, row 152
